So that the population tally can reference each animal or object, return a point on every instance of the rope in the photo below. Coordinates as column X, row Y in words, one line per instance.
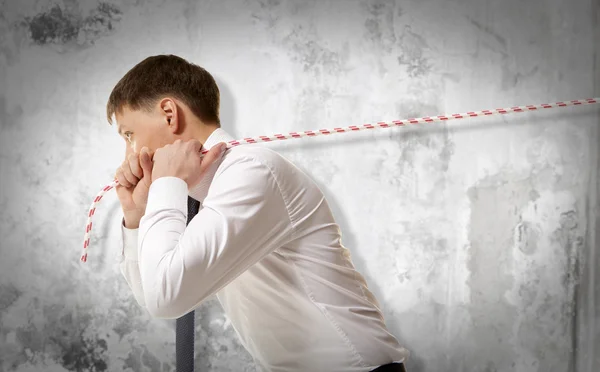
column 352, row 128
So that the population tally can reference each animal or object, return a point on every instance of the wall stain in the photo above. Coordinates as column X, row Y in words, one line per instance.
column 491, row 40
column 53, row 27
column 268, row 4
column 9, row 294
column 527, row 238
column 65, row 336
column 61, row 26
column 139, row 357
column 102, row 20
column 414, row 141
column 267, row 14
column 412, row 57
column 494, row 201
column 489, row 31
column 312, row 55
column 380, row 28
column 511, row 78
column 214, row 337
column 571, row 239
column 541, row 314
column 67, row 330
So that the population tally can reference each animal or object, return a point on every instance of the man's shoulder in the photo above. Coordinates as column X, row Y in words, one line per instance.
column 287, row 174
column 258, row 154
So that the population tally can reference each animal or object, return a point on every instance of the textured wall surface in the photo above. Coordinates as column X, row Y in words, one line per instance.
column 480, row 238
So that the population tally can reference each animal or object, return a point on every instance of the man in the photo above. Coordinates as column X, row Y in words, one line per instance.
column 264, row 241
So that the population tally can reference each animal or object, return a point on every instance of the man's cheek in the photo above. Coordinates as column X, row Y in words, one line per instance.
column 136, row 146
column 128, row 150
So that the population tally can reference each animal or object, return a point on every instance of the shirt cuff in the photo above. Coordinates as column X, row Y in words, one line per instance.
column 129, row 242
column 167, row 193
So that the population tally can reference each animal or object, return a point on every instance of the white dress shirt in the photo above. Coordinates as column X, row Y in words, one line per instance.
column 266, row 243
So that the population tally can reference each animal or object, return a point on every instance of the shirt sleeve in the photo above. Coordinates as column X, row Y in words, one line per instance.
column 243, row 219
column 129, row 263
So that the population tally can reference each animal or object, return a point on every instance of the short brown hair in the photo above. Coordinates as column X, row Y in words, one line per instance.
column 163, row 75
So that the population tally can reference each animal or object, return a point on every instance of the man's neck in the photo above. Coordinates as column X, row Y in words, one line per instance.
column 202, row 131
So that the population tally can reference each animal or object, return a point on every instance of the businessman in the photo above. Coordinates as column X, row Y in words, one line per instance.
column 264, row 240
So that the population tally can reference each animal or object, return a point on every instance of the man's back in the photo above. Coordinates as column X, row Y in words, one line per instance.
column 304, row 307
column 265, row 241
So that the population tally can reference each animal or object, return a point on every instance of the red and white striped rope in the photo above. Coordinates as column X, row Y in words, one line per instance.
column 352, row 128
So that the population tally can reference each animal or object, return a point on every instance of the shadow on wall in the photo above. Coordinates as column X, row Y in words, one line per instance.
column 414, row 363
column 227, row 111
column 539, row 120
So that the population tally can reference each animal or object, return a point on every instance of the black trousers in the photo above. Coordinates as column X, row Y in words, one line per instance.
column 392, row 367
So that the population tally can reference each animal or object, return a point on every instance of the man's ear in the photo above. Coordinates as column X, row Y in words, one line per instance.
column 169, row 111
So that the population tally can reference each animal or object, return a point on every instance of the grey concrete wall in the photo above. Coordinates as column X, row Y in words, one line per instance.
column 480, row 238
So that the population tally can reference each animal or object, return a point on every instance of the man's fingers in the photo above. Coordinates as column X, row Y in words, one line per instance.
column 129, row 175
column 213, row 154
column 134, row 165
column 196, row 145
column 122, row 179
column 146, row 162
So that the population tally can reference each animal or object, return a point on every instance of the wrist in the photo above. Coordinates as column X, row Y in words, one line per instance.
column 132, row 220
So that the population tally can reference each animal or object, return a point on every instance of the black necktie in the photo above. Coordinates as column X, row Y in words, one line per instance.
column 185, row 328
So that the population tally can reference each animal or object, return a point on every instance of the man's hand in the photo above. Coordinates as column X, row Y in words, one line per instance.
column 184, row 160
column 134, row 176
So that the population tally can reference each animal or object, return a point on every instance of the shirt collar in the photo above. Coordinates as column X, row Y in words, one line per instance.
column 217, row 136
column 201, row 190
